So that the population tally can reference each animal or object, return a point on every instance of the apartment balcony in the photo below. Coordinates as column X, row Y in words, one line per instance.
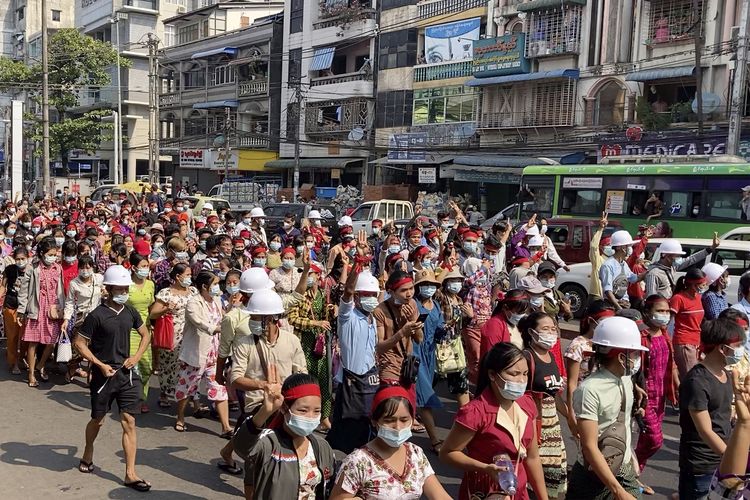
column 250, row 88
column 432, row 8
column 252, row 142
column 168, row 100
column 330, row 87
column 443, row 71
column 358, row 23
column 336, row 118
column 524, row 119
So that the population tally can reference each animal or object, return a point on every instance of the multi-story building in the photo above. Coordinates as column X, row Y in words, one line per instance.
column 221, row 91
column 546, row 80
column 328, row 91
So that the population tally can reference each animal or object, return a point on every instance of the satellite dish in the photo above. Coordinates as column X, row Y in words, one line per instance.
column 219, row 141
column 711, row 103
column 356, row 134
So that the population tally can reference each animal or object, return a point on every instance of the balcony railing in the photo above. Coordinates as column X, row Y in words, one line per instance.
column 351, row 113
column 252, row 87
column 169, row 99
column 432, row 8
column 521, row 119
column 253, row 141
column 443, row 71
column 345, row 19
column 343, row 78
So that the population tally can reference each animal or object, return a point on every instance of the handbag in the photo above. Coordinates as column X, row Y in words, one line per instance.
column 64, row 349
column 320, row 345
column 163, row 337
column 612, row 441
column 450, row 356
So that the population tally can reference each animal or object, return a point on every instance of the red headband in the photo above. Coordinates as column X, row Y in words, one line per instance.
column 742, row 323
column 301, row 391
column 695, row 280
column 706, row 348
column 403, row 281
column 605, row 313
column 395, row 391
column 470, row 234
column 289, row 251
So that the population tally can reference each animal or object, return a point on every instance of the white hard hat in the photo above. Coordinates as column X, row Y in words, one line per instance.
column 314, row 214
column 345, row 221
column 713, row 271
column 117, row 276
column 257, row 212
column 255, row 279
column 536, row 241
column 265, row 304
column 618, row 332
column 366, row 282
column 671, row 247
column 208, row 206
column 532, row 231
column 621, row 239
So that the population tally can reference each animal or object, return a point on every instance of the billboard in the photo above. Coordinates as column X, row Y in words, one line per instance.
column 451, row 41
column 191, row 158
column 407, row 147
column 504, row 55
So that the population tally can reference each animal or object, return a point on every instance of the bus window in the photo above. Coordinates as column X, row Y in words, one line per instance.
column 676, row 204
column 581, row 202
column 577, row 236
column 723, row 205
column 558, row 234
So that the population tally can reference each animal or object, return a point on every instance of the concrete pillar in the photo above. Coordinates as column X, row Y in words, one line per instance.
column 630, row 107
column 588, row 111
column 131, row 167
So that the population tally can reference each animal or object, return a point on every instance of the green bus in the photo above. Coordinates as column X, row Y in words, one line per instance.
column 696, row 199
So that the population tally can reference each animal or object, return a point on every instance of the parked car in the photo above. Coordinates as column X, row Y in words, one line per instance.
column 197, row 203
column 385, row 210
column 733, row 254
column 99, row 193
column 275, row 213
column 741, row 233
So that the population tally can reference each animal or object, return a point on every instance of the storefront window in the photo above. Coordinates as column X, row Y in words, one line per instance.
column 443, row 105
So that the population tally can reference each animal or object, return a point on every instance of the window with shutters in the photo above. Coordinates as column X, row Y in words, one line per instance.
column 674, row 20
column 548, row 103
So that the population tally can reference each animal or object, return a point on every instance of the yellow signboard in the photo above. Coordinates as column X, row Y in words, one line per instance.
column 255, row 161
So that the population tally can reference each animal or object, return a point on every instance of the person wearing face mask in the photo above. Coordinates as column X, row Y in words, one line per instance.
column 287, row 231
column 533, row 287
column 294, row 410
column 392, row 414
column 391, row 246
column 69, row 262
column 172, row 300
column 599, row 250
column 286, row 277
column 706, row 406
column 511, row 308
column 687, row 311
column 498, row 421
column 602, row 399
column 376, row 240
column 140, row 297
column 231, row 296
column 41, row 301
column 311, row 318
column 256, row 228
column 158, row 252
column 427, row 401
column 546, row 379
column 104, row 340
column 714, row 300
column 615, row 274
column 199, row 352
column 357, row 376
column 273, row 255
column 469, row 247
column 661, row 277
column 421, row 259
column 555, row 303
column 9, row 289
column 176, row 254
column 479, row 298
column 660, row 378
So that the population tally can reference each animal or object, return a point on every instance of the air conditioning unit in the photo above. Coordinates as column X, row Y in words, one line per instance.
column 181, row 9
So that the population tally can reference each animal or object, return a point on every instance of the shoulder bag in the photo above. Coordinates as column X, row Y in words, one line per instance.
column 164, row 332
column 612, row 441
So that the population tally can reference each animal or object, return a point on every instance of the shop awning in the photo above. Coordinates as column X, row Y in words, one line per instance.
column 525, row 77
column 429, row 159
column 215, row 104
column 322, row 59
column 546, row 4
column 230, row 51
column 648, row 75
column 315, row 163
column 495, row 161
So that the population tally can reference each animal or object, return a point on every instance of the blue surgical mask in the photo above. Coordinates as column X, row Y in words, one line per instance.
column 259, row 262
column 142, row 272
column 454, row 286
column 186, row 282
column 310, row 281
column 288, row 264
column 302, row 426
column 392, row 437
column 231, row 290
column 275, row 246
column 394, row 249
column 536, row 301
column 427, row 291
column 222, row 275
column 121, row 299
column 661, row 319
column 678, row 262
column 737, row 354
column 215, row 290
column 515, row 318
column 11, row 232
column 470, row 246
column 511, row 390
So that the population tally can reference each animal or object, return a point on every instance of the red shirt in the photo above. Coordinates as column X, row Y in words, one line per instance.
column 69, row 273
column 493, row 331
column 688, row 315
column 480, row 416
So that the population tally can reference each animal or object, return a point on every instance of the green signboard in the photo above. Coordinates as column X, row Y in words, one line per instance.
column 504, row 55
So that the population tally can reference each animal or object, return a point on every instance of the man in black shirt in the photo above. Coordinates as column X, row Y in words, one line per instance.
column 104, row 340
column 705, row 407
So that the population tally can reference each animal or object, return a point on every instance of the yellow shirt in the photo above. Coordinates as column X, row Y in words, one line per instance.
column 595, row 286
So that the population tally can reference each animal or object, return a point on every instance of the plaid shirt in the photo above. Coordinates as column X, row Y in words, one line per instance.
column 714, row 303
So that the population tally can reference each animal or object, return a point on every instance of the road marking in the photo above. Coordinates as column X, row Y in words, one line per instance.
column 671, row 438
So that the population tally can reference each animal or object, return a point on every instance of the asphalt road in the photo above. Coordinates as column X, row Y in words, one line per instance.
column 41, row 441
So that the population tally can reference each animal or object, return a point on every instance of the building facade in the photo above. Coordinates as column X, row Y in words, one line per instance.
column 220, row 98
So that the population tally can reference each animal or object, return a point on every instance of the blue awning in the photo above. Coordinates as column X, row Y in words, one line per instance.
column 648, row 75
column 322, row 59
column 215, row 104
column 525, row 77
column 231, row 51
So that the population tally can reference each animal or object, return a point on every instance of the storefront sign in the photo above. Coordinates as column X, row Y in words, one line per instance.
column 451, row 41
column 504, row 55
column 712, row 145
column 582, row 182
column 221, row 160
column 191, row 158
column 488, row 177
column 407, row 148
column 427, row 175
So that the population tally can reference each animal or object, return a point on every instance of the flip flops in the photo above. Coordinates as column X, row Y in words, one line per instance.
column 230, row 469
column 85, row 467
column 139, row 485
column 180, row 427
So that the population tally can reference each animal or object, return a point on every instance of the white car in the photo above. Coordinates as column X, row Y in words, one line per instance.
column 738, row 233
column 732, row 253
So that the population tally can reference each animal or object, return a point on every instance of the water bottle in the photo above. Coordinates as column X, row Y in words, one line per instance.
column 506, row 477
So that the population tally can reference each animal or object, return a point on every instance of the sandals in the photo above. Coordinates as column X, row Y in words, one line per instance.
column 85, row 467
column 436, row 446
column 645, row 489
column 202, row 412
column 34, row 383
column 179, row 427
column 226, row 435
column 232, row 469
column 43, row 375
column 139, row 485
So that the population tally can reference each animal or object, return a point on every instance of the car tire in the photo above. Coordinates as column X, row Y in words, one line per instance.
column 578, row 298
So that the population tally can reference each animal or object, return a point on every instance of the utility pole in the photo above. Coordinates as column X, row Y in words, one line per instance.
column 698, row 37
column 153, row 118
column 297, row 119
column 227, row 131
column 739, row 85
column 117, row 175
column 46, row 179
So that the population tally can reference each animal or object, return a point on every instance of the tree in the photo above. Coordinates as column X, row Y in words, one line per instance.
column 76, row 64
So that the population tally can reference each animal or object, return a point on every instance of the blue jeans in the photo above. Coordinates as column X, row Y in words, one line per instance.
column 694, row 486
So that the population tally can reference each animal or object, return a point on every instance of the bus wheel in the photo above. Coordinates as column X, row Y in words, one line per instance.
column 578, row 298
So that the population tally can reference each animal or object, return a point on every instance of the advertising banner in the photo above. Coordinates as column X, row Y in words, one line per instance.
column 451, row 41
column 504, row 55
